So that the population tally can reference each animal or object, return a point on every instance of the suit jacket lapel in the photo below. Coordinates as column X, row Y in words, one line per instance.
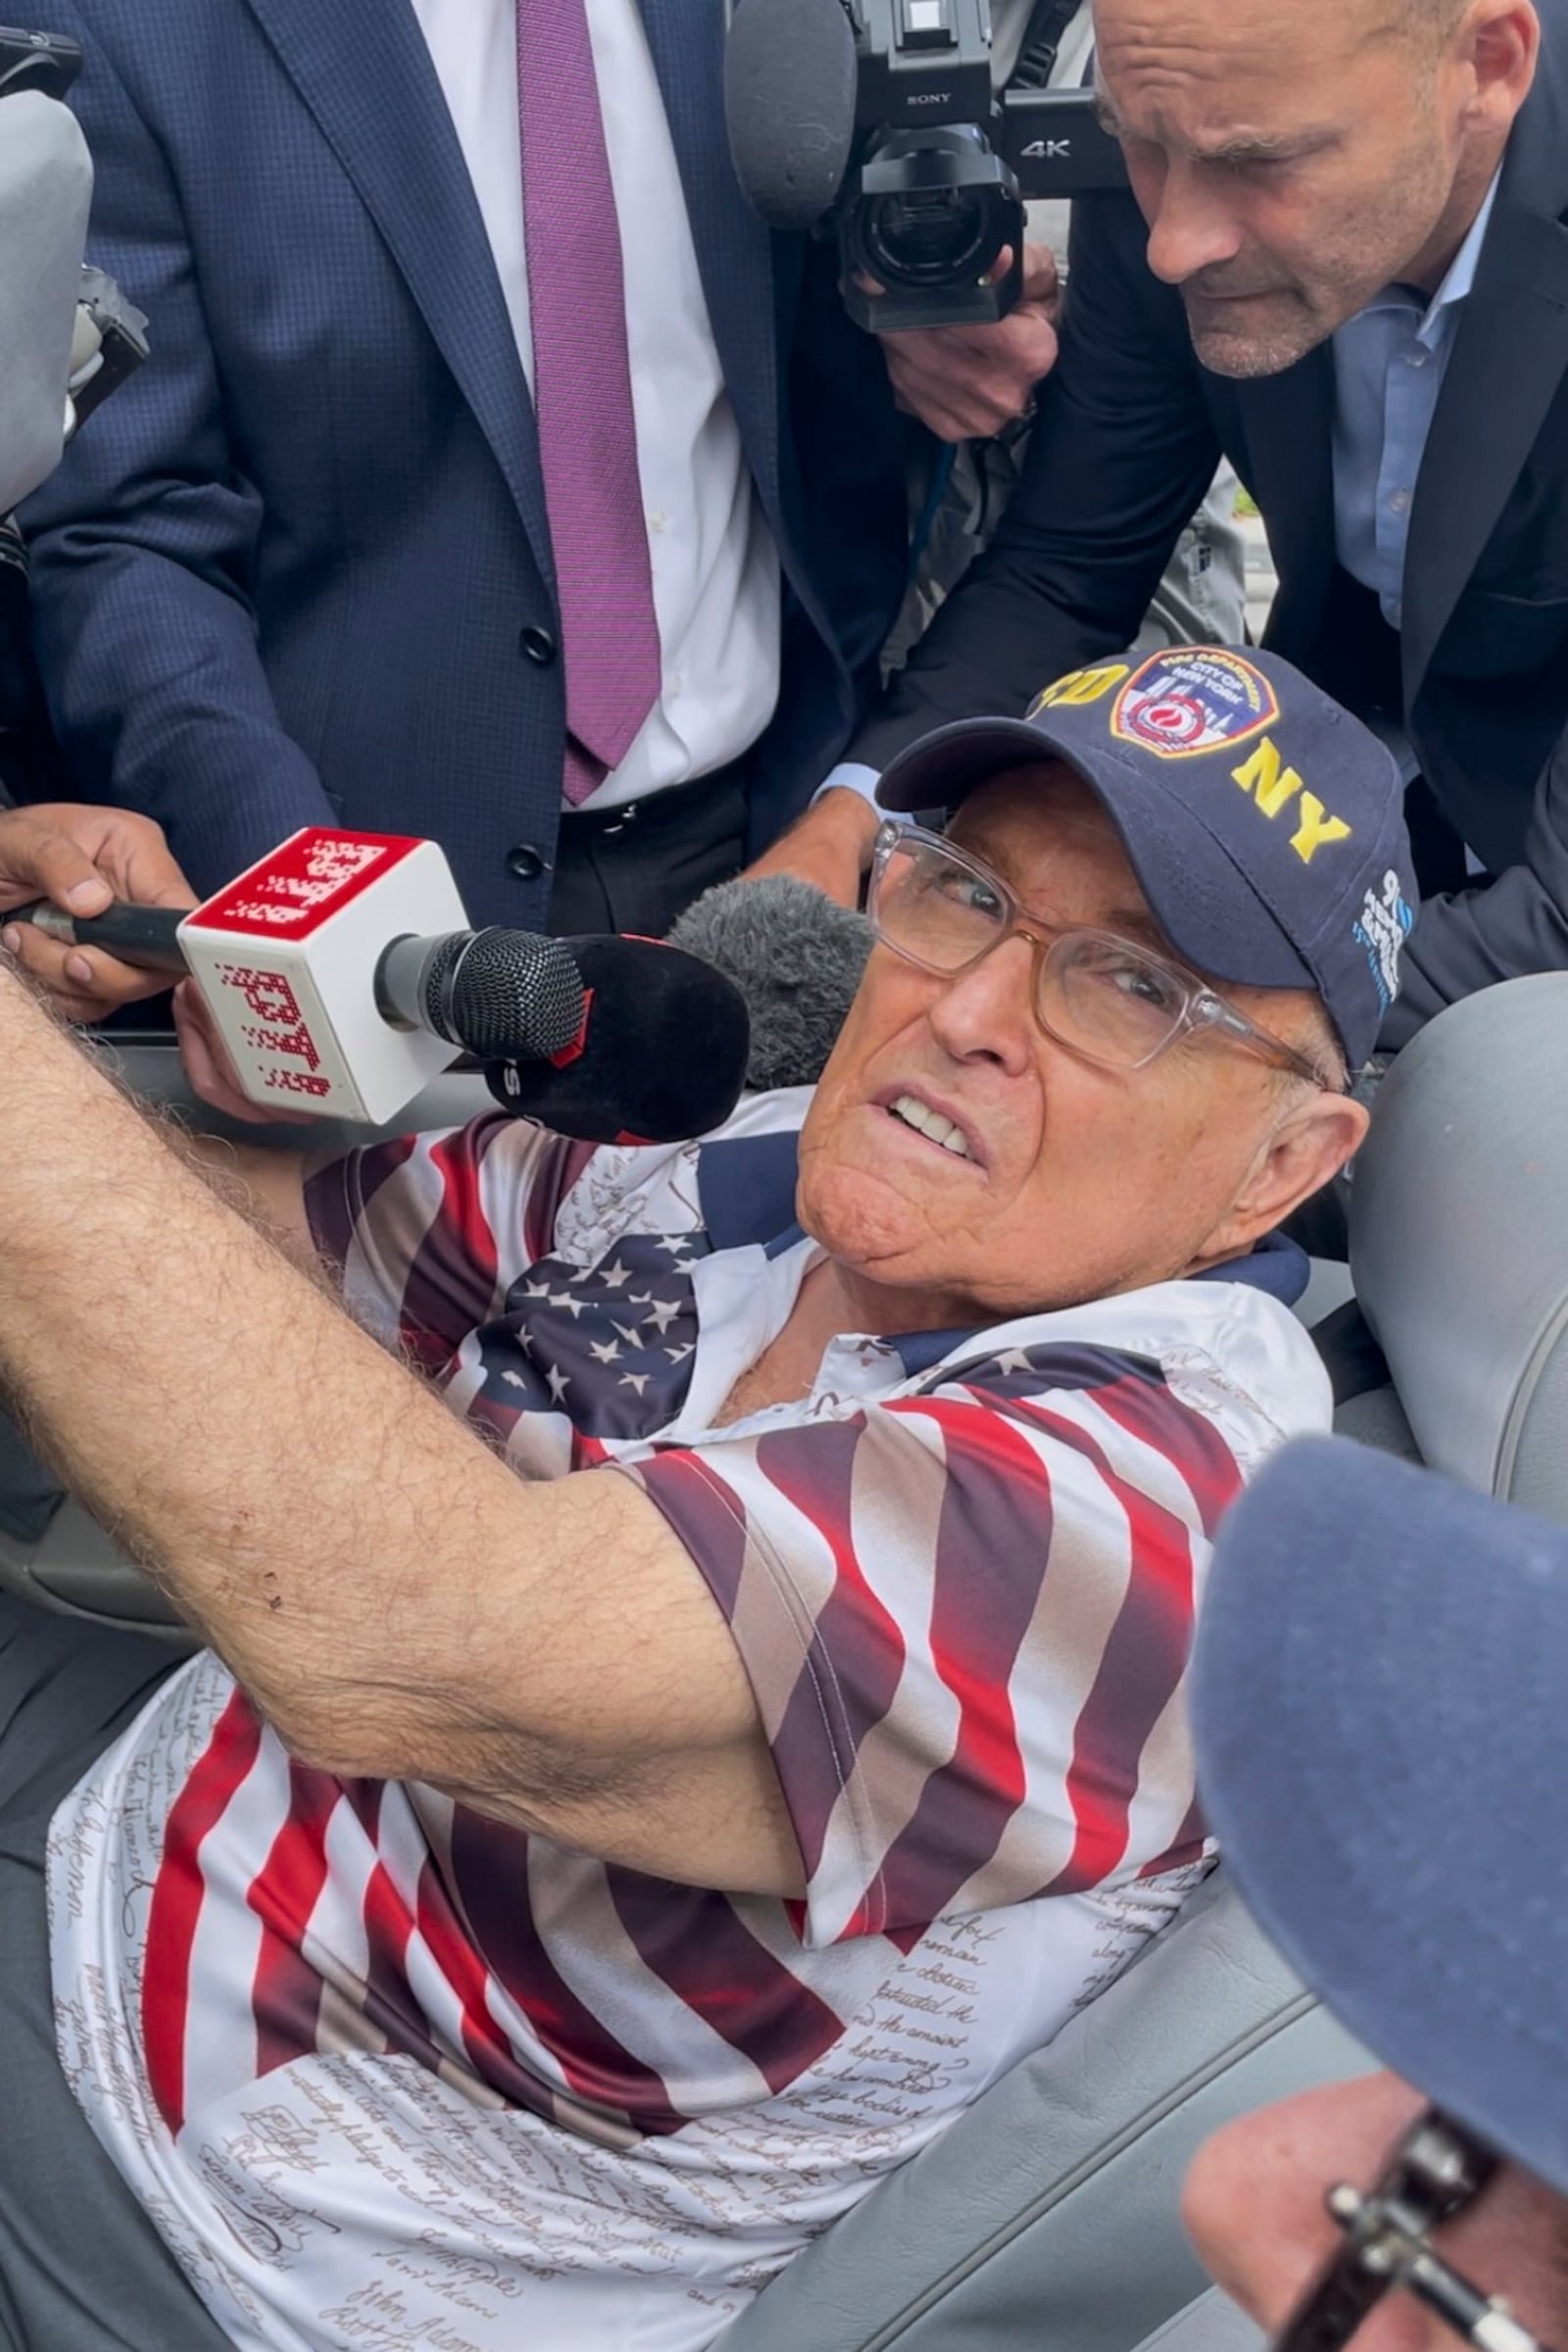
column 1288, row 424
column 1509, row 357
column 367, row 75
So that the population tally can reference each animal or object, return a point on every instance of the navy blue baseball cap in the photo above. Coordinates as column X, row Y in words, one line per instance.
column 1379, row 1708
column 1265, row 823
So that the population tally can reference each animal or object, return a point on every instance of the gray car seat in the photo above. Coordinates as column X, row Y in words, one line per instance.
column 1046, row 2220
column 1212, row 2324
column 1459, row 1243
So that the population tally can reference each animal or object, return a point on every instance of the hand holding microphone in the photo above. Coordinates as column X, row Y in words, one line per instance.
column 336, row 978
column 83, row 860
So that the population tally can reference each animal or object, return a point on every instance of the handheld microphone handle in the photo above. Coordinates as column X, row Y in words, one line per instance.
column 147, row 937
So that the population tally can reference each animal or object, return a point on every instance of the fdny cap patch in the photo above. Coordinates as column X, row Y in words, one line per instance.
column 1193, row 699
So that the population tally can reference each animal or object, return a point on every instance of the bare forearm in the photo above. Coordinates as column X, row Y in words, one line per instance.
column 264, row 1458
column 394, row 1599
column 265, row 1187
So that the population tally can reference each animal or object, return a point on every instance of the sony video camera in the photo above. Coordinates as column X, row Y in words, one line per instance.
column 877, row 121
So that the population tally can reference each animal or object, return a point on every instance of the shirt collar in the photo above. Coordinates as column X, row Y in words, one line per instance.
column 1275, row 1264
column 1461, row 275
column 746, row 1191
column 1437, row 320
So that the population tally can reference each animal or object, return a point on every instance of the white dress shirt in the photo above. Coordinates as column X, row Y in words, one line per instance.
column 714, row 565
column 1388, row 364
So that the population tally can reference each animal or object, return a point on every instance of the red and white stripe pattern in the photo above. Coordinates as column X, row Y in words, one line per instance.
column 966, row 1614
column 964, row 1597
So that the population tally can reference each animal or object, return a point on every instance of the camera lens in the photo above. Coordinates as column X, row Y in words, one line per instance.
column 932, row 236
column 933, row 210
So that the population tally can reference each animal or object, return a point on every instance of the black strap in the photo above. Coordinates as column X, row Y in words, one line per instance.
column 1041, row 42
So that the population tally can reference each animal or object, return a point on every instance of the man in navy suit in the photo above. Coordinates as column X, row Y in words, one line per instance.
column 1343, row 262
column 495, row 477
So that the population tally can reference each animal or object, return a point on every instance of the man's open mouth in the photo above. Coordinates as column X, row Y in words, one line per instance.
column 931, row 1124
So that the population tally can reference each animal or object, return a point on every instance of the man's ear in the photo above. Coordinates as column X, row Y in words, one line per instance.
column 1311, row 1142
column 1499, row 42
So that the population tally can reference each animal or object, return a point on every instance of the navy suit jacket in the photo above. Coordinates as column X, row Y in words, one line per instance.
column 1130, row 430
column 293, row 571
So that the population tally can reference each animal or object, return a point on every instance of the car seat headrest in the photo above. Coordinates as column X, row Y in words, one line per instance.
column 1459, row 1239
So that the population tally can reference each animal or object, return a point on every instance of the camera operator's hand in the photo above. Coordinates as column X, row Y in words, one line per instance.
column 83, row 858
column 968, row 383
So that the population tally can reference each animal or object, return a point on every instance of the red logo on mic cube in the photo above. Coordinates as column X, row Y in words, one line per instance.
column 290, row 893
column 280, row 1036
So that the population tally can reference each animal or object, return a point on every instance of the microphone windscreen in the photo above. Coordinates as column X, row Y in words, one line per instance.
column 663, row 1055
column 796, row 957
column 788, row 104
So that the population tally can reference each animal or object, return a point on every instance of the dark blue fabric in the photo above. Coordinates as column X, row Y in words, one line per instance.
column 1378, row 1705
column 1275, row 1264
column 283, row 578
column 746, row 1189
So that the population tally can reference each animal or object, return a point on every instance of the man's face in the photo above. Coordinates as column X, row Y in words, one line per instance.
column 1253, row 2206
column 1291, row 160
column 1077, row 1181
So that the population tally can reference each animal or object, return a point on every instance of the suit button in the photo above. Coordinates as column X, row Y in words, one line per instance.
column 526, row 862
column 538, row 644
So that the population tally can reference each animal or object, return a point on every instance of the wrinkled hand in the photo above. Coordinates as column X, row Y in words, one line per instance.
column 966, row 383
column 830, row 847
column 210, row 1071
column 83, row 858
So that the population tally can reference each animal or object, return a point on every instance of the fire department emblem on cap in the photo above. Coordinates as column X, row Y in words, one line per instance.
column 1179, row 704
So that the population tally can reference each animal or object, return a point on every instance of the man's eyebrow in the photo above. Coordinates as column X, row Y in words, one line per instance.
column 1138, row 923
column 1236, row 147
column 1261, row 146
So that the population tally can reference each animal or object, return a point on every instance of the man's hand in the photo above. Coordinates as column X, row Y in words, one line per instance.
column 966, row 383
column 209, row 1070
column 829, row 847
column 83, row 858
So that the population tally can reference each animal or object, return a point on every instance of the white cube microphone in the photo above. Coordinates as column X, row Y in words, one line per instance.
column 342, row 978
column 286, row 959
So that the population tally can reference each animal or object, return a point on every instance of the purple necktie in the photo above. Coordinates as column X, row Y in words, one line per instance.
column 582, row 396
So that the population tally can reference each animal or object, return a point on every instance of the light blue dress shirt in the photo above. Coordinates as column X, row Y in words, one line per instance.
column 1388, row 365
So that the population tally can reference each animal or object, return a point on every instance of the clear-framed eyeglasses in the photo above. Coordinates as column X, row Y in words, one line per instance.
column 1102, row 996
column 1436, row 2172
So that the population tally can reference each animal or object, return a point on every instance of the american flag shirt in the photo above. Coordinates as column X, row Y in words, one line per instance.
column 385, row 2072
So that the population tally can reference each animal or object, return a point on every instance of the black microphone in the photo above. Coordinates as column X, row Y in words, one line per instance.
column 490, row 992
column 661, row 1054
column 789, row 106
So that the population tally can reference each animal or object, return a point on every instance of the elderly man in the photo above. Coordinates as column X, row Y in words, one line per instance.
column 633, row 1802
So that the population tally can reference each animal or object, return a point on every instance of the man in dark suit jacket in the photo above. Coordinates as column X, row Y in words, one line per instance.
column 303, row 567
column 1334, row 209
